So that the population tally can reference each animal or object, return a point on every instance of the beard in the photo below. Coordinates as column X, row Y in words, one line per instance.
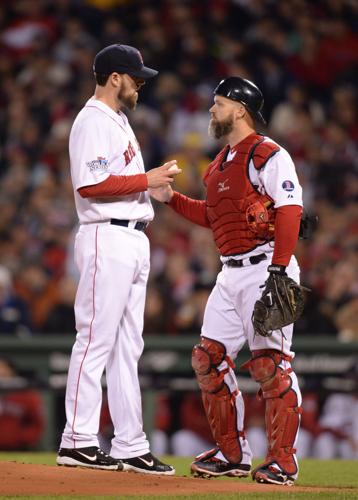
column 129, row 101
column 220, row 129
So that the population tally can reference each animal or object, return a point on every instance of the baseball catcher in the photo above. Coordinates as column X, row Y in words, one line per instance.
column 253, row 206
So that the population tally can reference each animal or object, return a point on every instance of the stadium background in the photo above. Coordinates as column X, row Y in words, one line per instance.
column 304, row 56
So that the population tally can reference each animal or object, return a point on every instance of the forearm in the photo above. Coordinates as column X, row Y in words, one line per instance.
column 193, row 210
column 287, row 225
column 116, row 185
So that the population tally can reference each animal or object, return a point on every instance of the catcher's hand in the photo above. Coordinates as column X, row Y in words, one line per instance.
column 282, row 302
column 163, row 193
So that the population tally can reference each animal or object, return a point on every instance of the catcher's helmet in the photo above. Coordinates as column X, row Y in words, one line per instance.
column 242, row 90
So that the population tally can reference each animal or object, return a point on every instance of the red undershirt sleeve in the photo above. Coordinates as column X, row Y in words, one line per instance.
column 193, row 210
column 287, row 225
column 116, row 185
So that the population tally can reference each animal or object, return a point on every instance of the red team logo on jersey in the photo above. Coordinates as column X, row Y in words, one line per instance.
column 129, row 154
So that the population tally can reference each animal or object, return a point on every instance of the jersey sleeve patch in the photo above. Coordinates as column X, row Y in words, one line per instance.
column 288, row 185
column 263, row 152
column 98, row 165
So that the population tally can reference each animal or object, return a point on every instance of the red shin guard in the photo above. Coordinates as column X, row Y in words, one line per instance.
column 282, row 413
column 219, row 402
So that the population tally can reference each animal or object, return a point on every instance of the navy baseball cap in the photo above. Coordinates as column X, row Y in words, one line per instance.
column 118, row 58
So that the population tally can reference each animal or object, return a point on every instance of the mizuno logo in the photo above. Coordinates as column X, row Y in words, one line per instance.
column 150, row 463
column 91, row 459
column 222, row 187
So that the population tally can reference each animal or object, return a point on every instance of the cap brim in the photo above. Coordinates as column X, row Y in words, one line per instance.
column 144, row 73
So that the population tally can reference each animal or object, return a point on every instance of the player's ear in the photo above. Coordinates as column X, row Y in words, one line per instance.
column 116, row 79
column 240, row 111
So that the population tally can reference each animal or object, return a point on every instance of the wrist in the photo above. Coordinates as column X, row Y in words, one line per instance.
column 167, row 202
column 277, row 269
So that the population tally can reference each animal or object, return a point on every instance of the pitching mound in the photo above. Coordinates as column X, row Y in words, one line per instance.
column 29, row 479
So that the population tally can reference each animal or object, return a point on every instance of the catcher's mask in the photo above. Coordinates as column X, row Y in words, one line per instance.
column 242, row 90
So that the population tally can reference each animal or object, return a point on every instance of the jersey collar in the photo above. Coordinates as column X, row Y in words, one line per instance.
column 119, row 117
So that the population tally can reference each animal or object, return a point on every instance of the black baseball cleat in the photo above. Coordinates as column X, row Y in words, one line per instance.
column 148, row 464
column 90, row 456
column 270, row 474
column 207, row 465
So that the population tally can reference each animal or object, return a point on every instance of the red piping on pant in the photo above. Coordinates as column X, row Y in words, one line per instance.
column 89, row 339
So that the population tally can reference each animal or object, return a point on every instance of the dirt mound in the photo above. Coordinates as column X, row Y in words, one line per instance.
column 29, row 479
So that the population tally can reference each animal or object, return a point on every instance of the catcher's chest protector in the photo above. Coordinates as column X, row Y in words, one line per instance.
column 218, row 400
column 282, row 413
column 230, row 193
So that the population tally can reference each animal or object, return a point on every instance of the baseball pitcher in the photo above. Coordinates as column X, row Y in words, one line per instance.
column 112, row 254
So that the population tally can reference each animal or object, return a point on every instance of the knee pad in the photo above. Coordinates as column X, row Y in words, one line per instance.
column 206, row 357
column 264, row 369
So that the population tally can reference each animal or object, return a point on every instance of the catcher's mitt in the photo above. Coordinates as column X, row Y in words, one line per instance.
column 282, row 303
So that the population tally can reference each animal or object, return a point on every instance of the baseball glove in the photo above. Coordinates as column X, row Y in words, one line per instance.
column 282, row 303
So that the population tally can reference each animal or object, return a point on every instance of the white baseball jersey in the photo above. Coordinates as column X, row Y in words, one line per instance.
column 102, row 143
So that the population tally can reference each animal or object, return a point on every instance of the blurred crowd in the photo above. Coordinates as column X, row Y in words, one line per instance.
column 304, row 57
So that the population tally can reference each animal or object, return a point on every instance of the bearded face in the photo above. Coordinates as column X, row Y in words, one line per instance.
column 128, row 96
column 130, row 101
column 221, row 128
column 128, row 93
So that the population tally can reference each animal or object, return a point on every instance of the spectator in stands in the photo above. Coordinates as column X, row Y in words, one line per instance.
column 284, row 124
column 14, row 317
column 22, row 421
column 39, row 291
column 254, row 424
column 60, row 318
column 163, row 421
column 346, row 321
column 337, row 427
column 309, row 428
column 156, row 318
column 194, row 433
column 189, row 315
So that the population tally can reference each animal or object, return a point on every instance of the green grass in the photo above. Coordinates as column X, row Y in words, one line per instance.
column 315, row 473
